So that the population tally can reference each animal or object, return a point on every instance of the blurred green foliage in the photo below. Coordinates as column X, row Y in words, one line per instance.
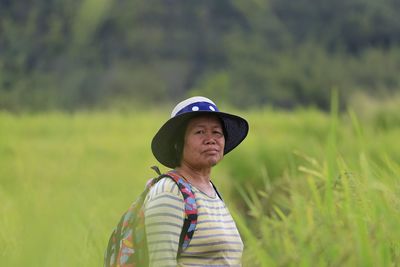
column 82, row 54
column 66, row 178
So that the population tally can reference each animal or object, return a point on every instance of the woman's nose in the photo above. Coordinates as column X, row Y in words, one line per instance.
column 210, row 139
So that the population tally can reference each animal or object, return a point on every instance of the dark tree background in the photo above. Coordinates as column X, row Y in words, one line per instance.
column 75, row 54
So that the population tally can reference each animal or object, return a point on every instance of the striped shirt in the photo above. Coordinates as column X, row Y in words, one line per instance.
column 216, row 240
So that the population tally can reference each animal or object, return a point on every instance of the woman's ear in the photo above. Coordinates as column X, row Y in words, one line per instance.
column 178, row 147
column 179, row 143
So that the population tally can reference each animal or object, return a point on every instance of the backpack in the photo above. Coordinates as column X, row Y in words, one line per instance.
column 127, row 245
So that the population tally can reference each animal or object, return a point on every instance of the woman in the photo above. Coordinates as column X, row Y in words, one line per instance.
column 191, row 142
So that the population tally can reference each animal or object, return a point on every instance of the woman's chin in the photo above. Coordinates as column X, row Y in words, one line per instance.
column 214, row 161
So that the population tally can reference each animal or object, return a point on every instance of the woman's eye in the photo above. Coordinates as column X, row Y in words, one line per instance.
column 218, row 133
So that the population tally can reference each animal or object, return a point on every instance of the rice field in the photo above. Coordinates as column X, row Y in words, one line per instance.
column 306, row 188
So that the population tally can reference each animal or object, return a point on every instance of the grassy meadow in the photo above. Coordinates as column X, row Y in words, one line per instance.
column 306, row 188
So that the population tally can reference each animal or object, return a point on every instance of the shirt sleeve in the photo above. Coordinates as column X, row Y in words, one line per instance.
column 164, row 216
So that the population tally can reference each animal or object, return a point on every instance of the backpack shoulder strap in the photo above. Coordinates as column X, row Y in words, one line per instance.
column 190, row 221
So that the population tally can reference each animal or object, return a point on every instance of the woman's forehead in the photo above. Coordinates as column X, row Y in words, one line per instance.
column 205, row 120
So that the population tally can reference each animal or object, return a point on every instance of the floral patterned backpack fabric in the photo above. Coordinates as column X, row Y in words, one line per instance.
column 127, row 246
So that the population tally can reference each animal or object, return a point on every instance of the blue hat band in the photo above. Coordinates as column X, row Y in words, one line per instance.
column 198, row 106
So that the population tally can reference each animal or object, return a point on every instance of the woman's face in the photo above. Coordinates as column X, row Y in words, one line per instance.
column 204, row 142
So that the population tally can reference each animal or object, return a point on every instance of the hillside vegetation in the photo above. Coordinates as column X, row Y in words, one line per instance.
column 73, row 55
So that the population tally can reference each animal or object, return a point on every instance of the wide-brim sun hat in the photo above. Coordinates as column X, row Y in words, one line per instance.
column 164, row 142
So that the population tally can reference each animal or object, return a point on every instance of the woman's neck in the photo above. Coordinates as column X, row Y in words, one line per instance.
column 198, row 178
column 201, row 176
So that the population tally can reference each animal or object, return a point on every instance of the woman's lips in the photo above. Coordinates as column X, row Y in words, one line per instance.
column 211, row 151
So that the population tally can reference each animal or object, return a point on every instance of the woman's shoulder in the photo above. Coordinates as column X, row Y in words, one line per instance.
column 165, row 186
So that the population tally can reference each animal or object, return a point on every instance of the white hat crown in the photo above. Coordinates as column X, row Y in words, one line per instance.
column 190, row 102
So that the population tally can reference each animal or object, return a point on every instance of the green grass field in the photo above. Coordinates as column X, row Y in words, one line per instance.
column 306, row 188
